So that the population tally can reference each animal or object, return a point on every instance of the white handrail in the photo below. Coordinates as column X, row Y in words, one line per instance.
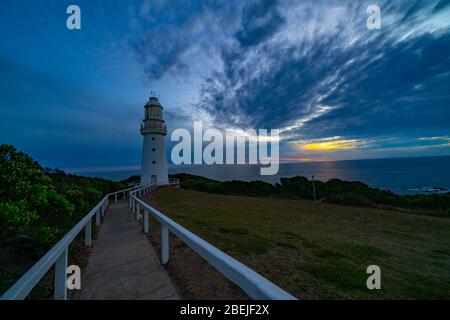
column 254, row 284
column 58, row 255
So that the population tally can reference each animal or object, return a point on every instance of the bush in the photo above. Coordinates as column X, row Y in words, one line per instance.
column 336, row 191
column 16, row 219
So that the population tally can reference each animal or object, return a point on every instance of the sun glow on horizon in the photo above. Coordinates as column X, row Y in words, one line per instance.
column 331, row 145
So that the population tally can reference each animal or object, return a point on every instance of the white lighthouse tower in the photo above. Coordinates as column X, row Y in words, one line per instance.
column 153, row 128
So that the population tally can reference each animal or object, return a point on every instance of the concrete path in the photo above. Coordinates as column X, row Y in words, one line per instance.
column 123, row 264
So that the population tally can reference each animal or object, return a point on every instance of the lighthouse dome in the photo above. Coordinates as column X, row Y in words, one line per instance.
column 153, row 101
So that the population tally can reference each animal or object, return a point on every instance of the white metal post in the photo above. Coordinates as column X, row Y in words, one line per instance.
column 164, row 244
column 138, row 211
column 97, row 217
column 88, row 234
column 134, row 205
column 61, row 276
column 314, row 188
column 115, row 197
column 145, row 220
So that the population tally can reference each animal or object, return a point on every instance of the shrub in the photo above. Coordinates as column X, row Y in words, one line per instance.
column 337, row 191
column 16, row 219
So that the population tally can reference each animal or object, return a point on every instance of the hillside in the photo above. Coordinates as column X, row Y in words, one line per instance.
column 318, row 250
column 353, row 193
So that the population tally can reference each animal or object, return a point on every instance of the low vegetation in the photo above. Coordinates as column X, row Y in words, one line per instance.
column 318, row 250
column 336, row 191
column 37, row 207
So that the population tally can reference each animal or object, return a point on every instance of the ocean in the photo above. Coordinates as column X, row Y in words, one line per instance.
column 422, row 175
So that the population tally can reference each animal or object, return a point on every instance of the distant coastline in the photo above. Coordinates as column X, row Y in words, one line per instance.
column 419, row 175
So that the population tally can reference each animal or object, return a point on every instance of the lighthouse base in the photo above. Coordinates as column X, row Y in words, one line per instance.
column 149, row 178
column 154, row 163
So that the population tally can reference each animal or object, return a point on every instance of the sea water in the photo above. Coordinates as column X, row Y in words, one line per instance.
column 422, row 175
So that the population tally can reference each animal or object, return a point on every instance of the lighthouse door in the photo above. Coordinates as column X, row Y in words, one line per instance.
column 153, row 179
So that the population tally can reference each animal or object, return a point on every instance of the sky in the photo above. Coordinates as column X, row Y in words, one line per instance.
column 335, row 89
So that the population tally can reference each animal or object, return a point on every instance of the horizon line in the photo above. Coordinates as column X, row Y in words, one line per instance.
column 293, row 161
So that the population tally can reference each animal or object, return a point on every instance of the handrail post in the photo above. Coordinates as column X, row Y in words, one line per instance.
column 134, row 205
column 164, row 244
column 138, row 211
column 145, row 221
column 115, row 197
column 102, row 210
column 88, row 234
column 97, row 217
column 61, row 276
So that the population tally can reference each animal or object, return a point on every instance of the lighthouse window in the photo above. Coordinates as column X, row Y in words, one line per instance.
column 153, row 138
column 154, row 149
column 155, row 113
column 154, row 162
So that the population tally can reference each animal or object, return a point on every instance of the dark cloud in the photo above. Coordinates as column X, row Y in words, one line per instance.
column 166, row 34
column 260, row 20
column 160, row 51
column 414, row 7
column 441, row 5
column 349, row 82
column 406, row 90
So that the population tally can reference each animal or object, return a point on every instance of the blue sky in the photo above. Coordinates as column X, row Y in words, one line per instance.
column 335, row 89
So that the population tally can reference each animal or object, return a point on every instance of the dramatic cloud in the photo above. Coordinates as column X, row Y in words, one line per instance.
column 259, row 21
column 319, row 72
column 312, row 69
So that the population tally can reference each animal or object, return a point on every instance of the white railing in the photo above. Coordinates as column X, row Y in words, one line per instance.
column 58, row 255
column 255, row 285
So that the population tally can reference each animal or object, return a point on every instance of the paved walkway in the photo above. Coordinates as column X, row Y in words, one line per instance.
column 123, row 264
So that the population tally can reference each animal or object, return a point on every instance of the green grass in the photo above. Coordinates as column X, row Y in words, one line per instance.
column 321, row 251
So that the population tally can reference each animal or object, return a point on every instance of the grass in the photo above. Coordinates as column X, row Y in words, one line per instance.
column 321, row 251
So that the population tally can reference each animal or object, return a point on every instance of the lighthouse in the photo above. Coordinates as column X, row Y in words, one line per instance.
column 154, row 129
